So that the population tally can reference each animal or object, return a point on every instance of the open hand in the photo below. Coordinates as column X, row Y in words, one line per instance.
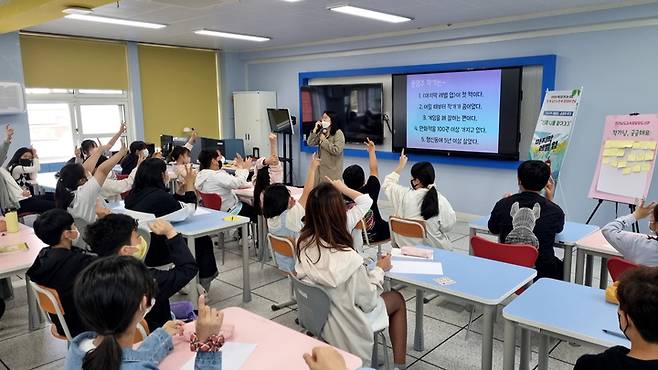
column 370, row 145
column 9, row 132
column 643, row 211
column 174, row 327
column 315, row 161
column 384, row 262
column 550, row 188
column 325, row 358
column 209, row 320
column 190, row 175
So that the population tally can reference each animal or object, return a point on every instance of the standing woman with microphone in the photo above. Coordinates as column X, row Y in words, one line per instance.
column 330, row 139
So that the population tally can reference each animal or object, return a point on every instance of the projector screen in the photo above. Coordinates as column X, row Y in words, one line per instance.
column 467, row 113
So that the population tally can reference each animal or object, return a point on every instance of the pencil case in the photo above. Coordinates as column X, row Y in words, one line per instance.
column 417, row 252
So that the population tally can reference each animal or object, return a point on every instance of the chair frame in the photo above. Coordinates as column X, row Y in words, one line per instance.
column 53, row 297
column 270, row 238
column 405, row 222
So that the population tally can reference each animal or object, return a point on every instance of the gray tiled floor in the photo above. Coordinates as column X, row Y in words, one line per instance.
column 446, row 346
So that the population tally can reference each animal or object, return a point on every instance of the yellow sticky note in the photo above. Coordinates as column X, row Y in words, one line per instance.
column 628, row 144
column 626, row 171
column 648, row 156
column 621, row 164
column 613, row 162
column 637, row 168
column 606, row 160
column 632, row 158
column 638, row 144
column 646, row 167
column 621, row 152
column 609, row 152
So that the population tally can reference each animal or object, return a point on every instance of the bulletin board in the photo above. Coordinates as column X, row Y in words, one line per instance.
column 626, row 159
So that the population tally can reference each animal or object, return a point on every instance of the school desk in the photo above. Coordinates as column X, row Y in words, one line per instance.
column 593, row 245
column 277, row 347
column 558, row 309
column 47, row 181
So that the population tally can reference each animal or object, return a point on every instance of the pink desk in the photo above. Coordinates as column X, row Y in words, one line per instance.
column 593, row 245
column 17, row 263
column 277, row 347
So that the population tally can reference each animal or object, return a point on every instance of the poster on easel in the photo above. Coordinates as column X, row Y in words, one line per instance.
column 626, row 159
column 553, row 130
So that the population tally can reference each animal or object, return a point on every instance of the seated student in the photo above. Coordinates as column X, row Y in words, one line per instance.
column 268, row 171
column 113, row 295
column 57, row 265
column 533, row 177
column 180, row 157
column 150, row 196
column 213, row 179
column 137, row 149
column 376, row 227
column 78, row 192
column 326, row 257
column 638, row 308
column 637, row 248
column 87, row 148
column 284, row 215
column 420, row 202
column 117, row 234
column 23, row 168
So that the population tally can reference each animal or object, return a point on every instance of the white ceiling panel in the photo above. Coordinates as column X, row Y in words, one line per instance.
column 290, row 23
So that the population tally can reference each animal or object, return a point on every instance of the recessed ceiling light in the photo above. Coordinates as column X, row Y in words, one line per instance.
column 122, row 22
column 366, row 13
column 229, row 35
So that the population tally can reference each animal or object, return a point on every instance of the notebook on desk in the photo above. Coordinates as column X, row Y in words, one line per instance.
column 20, row 247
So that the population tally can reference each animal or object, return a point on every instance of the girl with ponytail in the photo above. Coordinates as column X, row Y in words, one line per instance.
column 112, row 295
column 420, row 202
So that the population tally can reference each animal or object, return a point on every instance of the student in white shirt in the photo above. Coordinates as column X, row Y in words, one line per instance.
column 420, row 202
column 326, row 257
column 637, row 248
column 78, row 192
column 213, row 179
column 180, row 157
column 24, row 167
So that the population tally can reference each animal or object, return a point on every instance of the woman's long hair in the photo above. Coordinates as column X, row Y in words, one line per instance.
column 177, row 153
column 67, row 182
column 107, row 295
column 149, row 175
column 424, row 172
column 15, row 159
column 262, row 182
column 325, row 222
column 335, row 123
column 129, row 162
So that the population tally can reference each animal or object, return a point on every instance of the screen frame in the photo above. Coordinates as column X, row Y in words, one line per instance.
column 274, row 125
column 397, row 146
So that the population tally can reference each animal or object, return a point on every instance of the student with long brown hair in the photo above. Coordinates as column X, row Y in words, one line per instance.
column 326, row 257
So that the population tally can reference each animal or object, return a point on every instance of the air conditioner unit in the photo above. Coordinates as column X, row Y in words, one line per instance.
column 12, row 99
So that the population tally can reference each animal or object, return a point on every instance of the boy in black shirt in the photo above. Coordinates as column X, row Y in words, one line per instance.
column 117, row 234
column 354, row 178
column 638, row 309
column 534, row 176
column 57, row 265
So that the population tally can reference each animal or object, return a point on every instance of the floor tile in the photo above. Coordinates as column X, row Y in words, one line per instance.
column 422, row 365
column 435, row 333
column 258, row 305
column 13, row 324
column 554, row 364
column 569, row 353
column 31, row 350
column 259, row 275
column 232, row 260
column 278, row 291
column 445, row 309
column 461, row 244
column 288, row 320
column 59, row 364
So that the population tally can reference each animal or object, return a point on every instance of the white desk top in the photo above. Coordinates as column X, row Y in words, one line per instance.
column 567, row 309
column 595, row 242
column 47, row 181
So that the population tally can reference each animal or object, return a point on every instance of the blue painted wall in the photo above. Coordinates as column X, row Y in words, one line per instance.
column 11, row 70
column 616, row 68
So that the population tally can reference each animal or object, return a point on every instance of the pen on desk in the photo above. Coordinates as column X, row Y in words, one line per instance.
column 615, row 333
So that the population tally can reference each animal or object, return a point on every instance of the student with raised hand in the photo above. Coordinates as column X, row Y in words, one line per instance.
column 149, row 195
column 637, row 248
column 87, row 148
column 117, row 234
column 137, row 150
column 268, row 171
column 354, row 177
column 57, row 265
column 638, row 308
column 180, row 158
column 533, row 177
column 284, row 214
column 78, row 191
column 213, row 179
column 420, row 202
column 23, row 168
column 325, row 256
column 113, row 295
column 10, row 192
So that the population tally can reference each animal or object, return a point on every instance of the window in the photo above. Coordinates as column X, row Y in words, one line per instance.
column 60, row 119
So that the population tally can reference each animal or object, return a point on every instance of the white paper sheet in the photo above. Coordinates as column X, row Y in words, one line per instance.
column 234, row 355
column 201, row 211
column 182, row 214
column 416, row 267
column 397, row 252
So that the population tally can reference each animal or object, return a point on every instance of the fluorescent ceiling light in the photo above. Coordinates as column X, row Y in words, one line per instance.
column 360, row 12
column 122, row 22
column 292, row 1
column 229, row 35
column 77, row 10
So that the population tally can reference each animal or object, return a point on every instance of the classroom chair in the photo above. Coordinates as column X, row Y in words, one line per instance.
column 516, row 254
column 50, row 303
column 617, row 266
column 313, row 304
column 364, row 233
column 406, row 227
column 142, row 331
column 285, row 247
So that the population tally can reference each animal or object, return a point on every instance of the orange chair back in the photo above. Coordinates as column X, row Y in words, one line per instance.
column 142, row 332
column 283, row 246
column 407, row 227
column 617, row 266
column 515, row 254
column 211, row 200
column 50, row 303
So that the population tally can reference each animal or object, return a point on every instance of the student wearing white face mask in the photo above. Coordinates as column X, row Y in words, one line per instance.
column 130, row 161
column 637, row 248
column 328, row 136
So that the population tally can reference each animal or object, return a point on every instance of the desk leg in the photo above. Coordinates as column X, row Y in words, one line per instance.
column 526, row 347
column 34, row 314
column 419, row 343
column 543, row 352
column 580, row 265
column 508, row 346
column 568, row 256
column 487, row 337
column 589, row 266
column 603, row 282
column 246, row 287
column 194, row 292
column 471, row 233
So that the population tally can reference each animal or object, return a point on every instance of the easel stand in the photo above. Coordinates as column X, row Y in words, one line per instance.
column 287, row 158
column 635, row 227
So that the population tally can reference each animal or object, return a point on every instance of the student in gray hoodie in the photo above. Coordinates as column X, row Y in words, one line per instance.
column 637, row 248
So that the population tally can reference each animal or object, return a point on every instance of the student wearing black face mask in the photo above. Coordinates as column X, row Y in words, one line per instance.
column 638, row 311
column 23, row 167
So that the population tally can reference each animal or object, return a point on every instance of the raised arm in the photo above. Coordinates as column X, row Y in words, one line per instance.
column 310, row 179
column 4, row 148
column 90, row 163
column 104, row 169
column 190, row 142
column 372, row 156
column 394, row 191
column 313, row 137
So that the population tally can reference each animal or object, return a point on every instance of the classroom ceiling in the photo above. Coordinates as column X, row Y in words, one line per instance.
column 291, row 23
column 17, row 14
